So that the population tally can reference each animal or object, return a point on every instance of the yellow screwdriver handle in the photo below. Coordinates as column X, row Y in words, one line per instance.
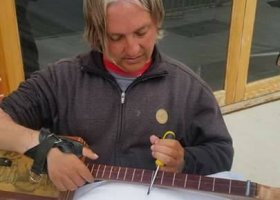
column 166, row 135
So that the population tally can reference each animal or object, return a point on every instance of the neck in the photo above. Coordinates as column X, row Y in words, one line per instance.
column 112, row 67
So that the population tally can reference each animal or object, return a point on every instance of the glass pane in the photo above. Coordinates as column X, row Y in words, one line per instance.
column 196, row 33
column 266, row 45
column 49, row 30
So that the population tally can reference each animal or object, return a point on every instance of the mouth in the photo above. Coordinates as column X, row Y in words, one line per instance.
column 133, row 60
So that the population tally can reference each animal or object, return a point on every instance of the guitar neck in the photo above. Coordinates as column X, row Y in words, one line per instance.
column 176, row 180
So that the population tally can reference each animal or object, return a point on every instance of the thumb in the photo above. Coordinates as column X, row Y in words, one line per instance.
column 154, row 139
column 89, row 153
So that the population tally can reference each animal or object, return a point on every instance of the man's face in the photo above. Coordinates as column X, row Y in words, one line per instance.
column 131, row 34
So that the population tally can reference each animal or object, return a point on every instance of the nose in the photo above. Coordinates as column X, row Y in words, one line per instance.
column 132, row 46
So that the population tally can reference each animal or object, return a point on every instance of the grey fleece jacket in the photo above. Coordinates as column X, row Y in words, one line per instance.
column 79, row 97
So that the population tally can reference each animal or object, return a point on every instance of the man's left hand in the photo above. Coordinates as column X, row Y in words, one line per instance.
column 168, row 151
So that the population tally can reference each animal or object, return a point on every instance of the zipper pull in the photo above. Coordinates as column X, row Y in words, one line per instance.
column 122, row 97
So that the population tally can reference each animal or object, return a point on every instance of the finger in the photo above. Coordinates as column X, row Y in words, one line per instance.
column 166, row 150
column 68, row 183
column 165, row 159
column 85, row 174
column 154, row 139
column 77, row 178
column 168, row 142
column 89, row 153
column 60, row 182
column 59, row 186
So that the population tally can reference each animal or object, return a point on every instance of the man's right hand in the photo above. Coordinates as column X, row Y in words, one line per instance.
column 67, row 171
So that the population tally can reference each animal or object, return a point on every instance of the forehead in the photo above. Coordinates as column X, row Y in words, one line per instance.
column 125, row 16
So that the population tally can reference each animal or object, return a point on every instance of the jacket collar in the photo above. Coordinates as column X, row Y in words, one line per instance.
column 92, row 62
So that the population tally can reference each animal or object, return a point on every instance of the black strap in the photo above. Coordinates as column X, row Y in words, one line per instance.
column 47, row 141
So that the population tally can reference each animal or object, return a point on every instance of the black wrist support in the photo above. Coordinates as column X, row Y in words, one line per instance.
column 48, row 140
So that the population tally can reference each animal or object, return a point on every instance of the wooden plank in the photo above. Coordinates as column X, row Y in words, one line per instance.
column 241, row 31
column 11, row 66
column 234, row 47
column 220, row 96
column 250, row 103
column 249, row 21
column 262, row 87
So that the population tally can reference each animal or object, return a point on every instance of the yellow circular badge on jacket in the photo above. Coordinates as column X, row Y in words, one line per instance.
column 162, row 116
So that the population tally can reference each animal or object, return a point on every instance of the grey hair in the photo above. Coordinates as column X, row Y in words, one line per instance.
column 95, row 18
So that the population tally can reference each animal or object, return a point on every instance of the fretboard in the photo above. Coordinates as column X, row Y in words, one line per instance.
column 176, row 180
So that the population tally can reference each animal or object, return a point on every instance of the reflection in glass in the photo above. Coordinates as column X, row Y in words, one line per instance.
column 196, row 33
column 28, row 46
column 56, row 26
column 266, row 45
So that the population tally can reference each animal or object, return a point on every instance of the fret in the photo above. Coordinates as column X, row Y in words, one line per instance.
column 91, row 169
column 133, row 175
column 198, row 187
column 214, row 182
column 173, row 179
column 229, row 188
column 129, row 174
column 118, row 173
column 161, row 179
column 125, row 174
column 192, row 182
column 143, row 171
column 103, row 171
column 114, row 173
column 97, row 170
column 222, row 186
column 111, row 169
column 168, row 179
column 136, row 175
column 186, row 180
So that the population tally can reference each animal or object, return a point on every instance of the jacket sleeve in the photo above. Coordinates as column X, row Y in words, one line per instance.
column 209, row 147
column 33, row 103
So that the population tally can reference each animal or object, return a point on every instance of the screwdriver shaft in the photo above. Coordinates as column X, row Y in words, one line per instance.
column 153, row 180
column 167, row 135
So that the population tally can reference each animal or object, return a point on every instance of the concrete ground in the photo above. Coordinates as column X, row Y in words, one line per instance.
column 256, row 135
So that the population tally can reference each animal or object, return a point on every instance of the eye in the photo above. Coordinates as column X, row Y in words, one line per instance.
column 141, row 33
column 115, row 38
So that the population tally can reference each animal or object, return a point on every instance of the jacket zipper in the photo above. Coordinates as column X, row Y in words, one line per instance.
column 117, row 151
column 122, row 97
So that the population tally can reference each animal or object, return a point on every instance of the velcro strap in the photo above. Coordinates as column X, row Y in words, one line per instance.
column 49, row 140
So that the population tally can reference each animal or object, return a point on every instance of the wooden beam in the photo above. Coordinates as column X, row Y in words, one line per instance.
column 11, row 66
column 220, row 96
column 262, row 87
column 241, row 32
column 250, row 103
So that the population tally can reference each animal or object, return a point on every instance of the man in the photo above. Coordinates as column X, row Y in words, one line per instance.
column 120, row 98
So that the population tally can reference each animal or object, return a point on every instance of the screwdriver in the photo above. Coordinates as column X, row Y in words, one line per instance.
column 167, row 135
